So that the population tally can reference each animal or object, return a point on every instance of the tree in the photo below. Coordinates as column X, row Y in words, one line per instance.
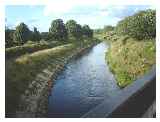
column 22, row 34
column 45, row 36
column 141, row 25
column 58, row 30
column 79, row 32
column 36, row 35
column 87, row 32
column 74, row 29
column 9, row 37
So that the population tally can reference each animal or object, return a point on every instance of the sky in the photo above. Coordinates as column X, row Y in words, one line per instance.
column 96, row 15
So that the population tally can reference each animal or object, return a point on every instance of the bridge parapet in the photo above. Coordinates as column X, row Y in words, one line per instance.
column 134, row 100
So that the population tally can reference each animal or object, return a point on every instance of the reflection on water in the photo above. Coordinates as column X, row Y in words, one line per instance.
column 84, row 83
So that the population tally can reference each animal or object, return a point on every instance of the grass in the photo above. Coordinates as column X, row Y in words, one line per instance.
column 29, row 48
column 22, row 70
column 129, row 58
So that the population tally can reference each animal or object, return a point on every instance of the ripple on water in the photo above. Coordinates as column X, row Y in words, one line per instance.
column 85, row 83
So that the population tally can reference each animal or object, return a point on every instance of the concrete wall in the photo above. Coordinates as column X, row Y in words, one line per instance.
column 133, row 101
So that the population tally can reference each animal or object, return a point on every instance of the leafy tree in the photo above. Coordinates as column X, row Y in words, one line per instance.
column 87, row 32
column 79, row 31
column 9, row 37
column 36, row 35
column 141, row 25
column 44, row 35
column 74, row 29
column 58, row 30
column 22, row 34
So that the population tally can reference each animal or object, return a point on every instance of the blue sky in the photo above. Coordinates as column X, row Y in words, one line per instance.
column 94, row 14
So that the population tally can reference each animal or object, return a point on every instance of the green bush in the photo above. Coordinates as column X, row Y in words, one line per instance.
column 141, row 25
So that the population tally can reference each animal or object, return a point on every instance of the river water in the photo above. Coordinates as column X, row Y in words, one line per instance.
column 85, row 82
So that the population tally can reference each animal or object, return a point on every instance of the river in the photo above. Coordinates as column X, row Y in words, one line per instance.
column 85, row 82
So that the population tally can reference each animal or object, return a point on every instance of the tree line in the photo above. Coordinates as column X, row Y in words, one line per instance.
column 58, row 31
column 141, row 25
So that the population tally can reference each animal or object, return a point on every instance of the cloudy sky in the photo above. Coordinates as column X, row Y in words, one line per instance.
column 95, row 14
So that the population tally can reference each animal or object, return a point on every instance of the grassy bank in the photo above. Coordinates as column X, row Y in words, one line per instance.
column 21, row 71
column 129, row 58
column 29, row 48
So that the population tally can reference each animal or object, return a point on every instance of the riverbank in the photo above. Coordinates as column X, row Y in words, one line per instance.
column 85, row 83
column 129, row 58
column 27, row 48
column 32, row 76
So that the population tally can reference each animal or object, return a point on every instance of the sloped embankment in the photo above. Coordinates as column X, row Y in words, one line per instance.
column 29, row 79
column 130, row 58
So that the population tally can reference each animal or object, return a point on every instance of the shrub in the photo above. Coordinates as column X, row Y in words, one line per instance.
column 141, row 25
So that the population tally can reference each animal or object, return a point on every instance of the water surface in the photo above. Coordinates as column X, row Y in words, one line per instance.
column 85, row 83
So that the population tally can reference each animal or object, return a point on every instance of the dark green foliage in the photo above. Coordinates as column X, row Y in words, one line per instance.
column 22, row 34
column 87, row 32
column 45, row 36
column 36, row 35
column 58, row 30
column 141, row 25
column 79, row 32
column 9, row 37
column 74, row 29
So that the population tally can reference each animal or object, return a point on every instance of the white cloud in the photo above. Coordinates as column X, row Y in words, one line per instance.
column 152, row 7
column 102, row 11
column 17, row 23
column 57, row 7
